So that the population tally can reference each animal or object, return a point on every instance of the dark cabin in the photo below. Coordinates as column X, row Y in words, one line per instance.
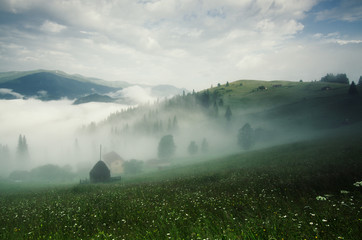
column 100, row 173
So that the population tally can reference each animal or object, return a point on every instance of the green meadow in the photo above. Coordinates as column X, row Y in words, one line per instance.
column 305, row 185
column 301, row 190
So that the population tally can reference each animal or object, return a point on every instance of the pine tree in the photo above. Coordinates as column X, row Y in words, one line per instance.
column 246, row 137
column 228, row 113
column 166, row 147
column 216, row 109
column 353, row 89
column 175, row 123
column 22, row 149
column 193, row 148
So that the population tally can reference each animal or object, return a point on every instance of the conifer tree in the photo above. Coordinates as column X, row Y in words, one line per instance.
column 228, row 113
column 166, row 147
column 246, row 137
column 216, row 109
column 175, row 123
column 353, row 89
column 22, row 149
column 193, row 148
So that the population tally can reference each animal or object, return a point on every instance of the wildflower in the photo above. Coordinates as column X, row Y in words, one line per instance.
column 358, row 184
column 320, row 198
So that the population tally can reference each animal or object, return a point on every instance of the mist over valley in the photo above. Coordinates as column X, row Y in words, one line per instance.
column 226, row 154
column 226, row 119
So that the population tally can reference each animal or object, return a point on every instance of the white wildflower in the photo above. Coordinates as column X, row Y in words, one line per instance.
column 358, row 184
column 320, row 198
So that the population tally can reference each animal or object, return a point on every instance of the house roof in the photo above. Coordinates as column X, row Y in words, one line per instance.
column 99, row 172
column 112, row 157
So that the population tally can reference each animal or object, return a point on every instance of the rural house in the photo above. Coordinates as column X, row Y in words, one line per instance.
column 114, row 162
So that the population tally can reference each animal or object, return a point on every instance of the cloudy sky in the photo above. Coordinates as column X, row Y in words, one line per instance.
column 187, row 43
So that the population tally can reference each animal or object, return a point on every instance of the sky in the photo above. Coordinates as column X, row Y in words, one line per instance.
column 186, row 43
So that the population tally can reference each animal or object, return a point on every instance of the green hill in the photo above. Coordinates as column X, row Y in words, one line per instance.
column 285, row 187
column 304, row 190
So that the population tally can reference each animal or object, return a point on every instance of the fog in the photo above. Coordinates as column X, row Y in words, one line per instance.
column 50, row 129
column 70, row 136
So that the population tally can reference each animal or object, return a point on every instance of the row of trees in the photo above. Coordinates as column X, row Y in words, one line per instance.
column 338, row 78
column 246, row 139
column 167, row 147
column 22, row 152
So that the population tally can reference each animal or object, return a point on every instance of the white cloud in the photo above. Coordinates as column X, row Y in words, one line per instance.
column 335, row 37
column 52, row 27
column 135, row 95
column 50, row 127
column 185, row 43
column 344, row 42
column 5, row 91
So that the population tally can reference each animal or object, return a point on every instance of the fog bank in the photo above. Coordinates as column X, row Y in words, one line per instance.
column 50, row 129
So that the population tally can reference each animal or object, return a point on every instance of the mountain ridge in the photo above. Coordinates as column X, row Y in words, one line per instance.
column 55, row 84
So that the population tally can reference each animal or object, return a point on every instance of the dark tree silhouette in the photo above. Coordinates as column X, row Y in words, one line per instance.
column 166, row 147
column 193, row 148
column 216, row 109
column 4, row 153
column 339, row 78
column 228, row 113
column 22, row 148
column 204, row 99
column 246, row 137
column 353, row 89
column 175, row 123
column 360, row 81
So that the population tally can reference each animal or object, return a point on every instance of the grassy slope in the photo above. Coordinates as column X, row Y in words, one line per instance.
column 247, row 95
column 262, row 194
column 269, row 193
column 294, row 104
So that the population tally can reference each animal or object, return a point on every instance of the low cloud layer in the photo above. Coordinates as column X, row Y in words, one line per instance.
column 50, row 127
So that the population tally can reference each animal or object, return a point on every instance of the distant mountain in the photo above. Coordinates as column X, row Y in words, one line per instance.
column 94, row 98
column 50, row 85
column 54, row 85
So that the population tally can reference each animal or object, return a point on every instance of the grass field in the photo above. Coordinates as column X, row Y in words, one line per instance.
column 302, row 190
